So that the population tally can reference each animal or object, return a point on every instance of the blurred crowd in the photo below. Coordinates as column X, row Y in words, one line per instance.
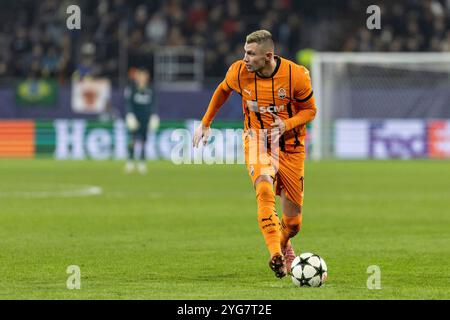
column 115, row 34
column 419, row 25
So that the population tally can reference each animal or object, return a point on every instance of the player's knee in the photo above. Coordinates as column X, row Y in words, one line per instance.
column 263, row 178
column 264, row 189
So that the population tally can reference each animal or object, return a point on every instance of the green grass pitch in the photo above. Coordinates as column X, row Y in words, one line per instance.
column 190, row 231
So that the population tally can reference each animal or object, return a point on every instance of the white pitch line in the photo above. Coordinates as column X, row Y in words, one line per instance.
column 81, row 191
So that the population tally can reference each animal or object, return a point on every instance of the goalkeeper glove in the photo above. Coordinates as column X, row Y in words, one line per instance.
column 153, row 122
column 132, row 123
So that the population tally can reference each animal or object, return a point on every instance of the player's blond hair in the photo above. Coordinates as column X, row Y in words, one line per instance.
column 260, row 36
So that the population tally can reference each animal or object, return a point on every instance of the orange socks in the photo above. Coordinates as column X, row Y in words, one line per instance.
column 290, row 226
column 267, row 217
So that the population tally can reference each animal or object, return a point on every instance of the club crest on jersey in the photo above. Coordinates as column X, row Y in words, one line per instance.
column 282, row 93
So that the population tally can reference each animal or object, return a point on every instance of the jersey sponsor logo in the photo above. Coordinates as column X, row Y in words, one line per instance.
column 282, row 93
column 271, row 109
column 142, row 98
column 253, row 106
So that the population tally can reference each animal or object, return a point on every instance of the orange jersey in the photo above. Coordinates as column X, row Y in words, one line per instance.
column 286, row 93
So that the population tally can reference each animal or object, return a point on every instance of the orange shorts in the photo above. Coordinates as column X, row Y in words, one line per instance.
column 286, row 168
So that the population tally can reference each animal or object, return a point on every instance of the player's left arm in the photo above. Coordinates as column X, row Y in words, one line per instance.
column 127, row 99
column 130, row 118
column 304, row 99
column 154, row 121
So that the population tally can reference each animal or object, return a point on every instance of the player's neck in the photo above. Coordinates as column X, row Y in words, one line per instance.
column 269, row 69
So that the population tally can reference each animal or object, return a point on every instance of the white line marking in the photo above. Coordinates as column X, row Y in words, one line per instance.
column 59, row 192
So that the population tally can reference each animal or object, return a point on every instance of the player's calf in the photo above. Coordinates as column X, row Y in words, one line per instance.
column 268, row 220
column 290, row 226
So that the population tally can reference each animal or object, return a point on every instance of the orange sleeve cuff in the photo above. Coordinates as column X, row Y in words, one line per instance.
column 302, row 117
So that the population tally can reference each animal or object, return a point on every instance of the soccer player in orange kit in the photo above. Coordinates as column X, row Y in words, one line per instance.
column 277, row 103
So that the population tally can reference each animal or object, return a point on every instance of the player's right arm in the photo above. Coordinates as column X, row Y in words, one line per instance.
column 220, row 96
column 127, row 95
column 130, row 118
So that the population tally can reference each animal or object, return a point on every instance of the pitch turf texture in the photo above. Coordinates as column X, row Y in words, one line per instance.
column 190, row 232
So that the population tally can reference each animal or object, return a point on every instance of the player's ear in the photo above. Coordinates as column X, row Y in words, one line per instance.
column 269, row 56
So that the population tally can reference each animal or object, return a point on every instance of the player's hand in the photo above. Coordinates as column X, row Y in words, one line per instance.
column 278, row 124
column 153, row 122
column 201, row 133
column 131, row 121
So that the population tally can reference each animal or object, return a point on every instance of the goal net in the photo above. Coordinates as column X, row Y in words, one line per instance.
column 381, row 105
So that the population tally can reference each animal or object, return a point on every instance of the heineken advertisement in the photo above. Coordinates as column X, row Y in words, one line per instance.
column 73, row 139
column 77, row 139
column 36, row 93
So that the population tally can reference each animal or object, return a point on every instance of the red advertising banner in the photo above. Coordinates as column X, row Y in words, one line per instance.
column 439, row 139
column 17, row 139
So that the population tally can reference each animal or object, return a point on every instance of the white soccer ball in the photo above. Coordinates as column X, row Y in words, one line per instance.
column 309, row 269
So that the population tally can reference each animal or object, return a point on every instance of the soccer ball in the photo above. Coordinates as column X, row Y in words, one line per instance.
column 309, row 269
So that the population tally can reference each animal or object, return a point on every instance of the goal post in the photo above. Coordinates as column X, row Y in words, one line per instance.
column 376, row 87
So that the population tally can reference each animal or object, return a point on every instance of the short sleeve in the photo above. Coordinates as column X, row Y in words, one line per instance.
column 303, row 89
column 231, row 81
